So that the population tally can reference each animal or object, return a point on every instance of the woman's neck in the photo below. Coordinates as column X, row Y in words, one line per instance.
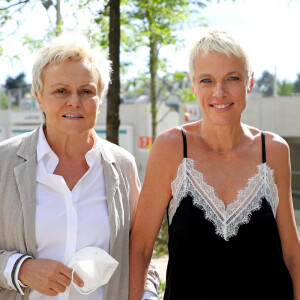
column 220, row 139
column 70, row 145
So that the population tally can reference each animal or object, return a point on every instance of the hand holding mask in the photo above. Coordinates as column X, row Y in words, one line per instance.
column 94, row 266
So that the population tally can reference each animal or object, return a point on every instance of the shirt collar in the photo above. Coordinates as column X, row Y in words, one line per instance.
column 95, row 152
column 43, row 147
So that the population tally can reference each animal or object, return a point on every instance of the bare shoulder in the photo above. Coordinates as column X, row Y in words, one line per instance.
column 277, row 150
column 169, row 142
column 167, row 151
column 276, row 146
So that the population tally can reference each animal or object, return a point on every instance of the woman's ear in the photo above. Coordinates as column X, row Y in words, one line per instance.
column 192, row 85
column 38, row 99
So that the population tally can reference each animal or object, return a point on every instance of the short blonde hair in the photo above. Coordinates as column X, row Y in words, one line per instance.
column 72, row 46
column 216, row 40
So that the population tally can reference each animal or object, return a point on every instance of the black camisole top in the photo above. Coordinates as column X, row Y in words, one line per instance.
column 225, row 253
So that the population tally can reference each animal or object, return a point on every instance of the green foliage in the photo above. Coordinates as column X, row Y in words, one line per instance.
column 161, row 289
column 186, row 95
column 4, row 17
column 285, row 88
column 137, row 85
column 17, row 82
column 170, row 87
column 50, row 33
column 157, row 20
column 98, row 30
column 297, row 84
column 266, row 84
column 161, row 244
column 31, row 43
column 3, row 100
column 12, row 12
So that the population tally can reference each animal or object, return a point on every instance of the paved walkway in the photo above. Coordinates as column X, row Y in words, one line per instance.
column 161, row 263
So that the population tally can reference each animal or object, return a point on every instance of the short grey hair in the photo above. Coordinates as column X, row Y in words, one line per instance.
column 72, row 46
column 216, row 40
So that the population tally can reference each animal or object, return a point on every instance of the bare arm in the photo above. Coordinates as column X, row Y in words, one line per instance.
column 152, row 281
column 162, row 164
column 279, row 160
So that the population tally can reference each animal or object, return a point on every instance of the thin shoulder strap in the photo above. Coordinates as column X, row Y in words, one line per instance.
column 184, row 142
column 263, row 147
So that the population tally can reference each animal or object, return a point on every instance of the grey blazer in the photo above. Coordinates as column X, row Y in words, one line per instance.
column 18, row 206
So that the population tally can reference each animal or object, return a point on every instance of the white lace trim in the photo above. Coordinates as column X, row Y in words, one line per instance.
column 226, row 220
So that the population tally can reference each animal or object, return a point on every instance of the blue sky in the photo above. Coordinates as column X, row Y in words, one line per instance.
column 267, row 28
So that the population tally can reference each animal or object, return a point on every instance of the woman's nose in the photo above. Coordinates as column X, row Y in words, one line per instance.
column 219, row 90
column 74, row 100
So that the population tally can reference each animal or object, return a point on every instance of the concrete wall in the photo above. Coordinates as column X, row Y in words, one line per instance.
column 280, row 115
column 139, row 117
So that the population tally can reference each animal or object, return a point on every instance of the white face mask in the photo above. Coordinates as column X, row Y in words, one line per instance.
column 94, row 266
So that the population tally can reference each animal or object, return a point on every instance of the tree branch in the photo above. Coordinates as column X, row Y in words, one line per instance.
column 106, row 7
column 15, row 4
column 164, row 116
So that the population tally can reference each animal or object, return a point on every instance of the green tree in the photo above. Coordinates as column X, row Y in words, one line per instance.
column 285, row 88
column 142, row 23
column 108, row 35
column 155, row 23
column 9, row 9
column 3, row 100
column 266, row 84
column 172, row 88
column 108, row 19
column 297, row 84
column 15, row 83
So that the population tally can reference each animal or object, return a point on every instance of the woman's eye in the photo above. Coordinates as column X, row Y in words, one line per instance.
column 206, row 80
column 87, row 92
column 233, row 78
column 60, row 91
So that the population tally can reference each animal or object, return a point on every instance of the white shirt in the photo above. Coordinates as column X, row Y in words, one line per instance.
column 67, row 221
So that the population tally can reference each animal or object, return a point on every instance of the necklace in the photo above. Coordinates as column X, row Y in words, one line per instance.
column 208, row 148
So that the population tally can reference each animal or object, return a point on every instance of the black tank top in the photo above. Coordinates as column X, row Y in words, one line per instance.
column 219, row 253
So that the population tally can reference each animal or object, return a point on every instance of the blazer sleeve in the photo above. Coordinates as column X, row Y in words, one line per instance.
column 4, row 255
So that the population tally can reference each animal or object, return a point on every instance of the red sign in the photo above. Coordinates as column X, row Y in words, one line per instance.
column 191, row 112
column 145, row 142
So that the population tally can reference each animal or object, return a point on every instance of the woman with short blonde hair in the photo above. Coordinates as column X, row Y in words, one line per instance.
column 226, row 189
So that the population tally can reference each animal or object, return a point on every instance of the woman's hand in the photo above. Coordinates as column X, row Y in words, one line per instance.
column 49, row 277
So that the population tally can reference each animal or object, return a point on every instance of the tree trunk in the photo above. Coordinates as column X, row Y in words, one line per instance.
column 153, row 74
column 58, row 13
column 113, row 95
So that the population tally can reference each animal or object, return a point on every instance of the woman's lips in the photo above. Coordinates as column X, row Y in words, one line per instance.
column 221, row 106
column 73, row 116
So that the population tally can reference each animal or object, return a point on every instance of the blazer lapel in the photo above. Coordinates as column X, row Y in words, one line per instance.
column 111, row 178
column 25, row 174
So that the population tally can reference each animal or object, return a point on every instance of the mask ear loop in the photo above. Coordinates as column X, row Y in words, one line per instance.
column 76, row 286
